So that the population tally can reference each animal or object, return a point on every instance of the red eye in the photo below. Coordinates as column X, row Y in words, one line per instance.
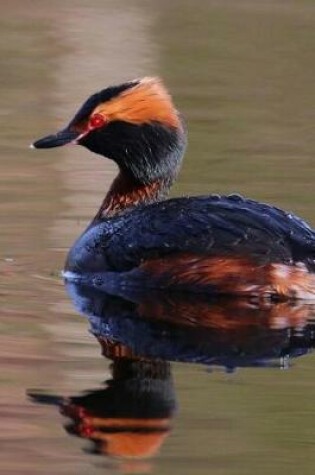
column 97, row 120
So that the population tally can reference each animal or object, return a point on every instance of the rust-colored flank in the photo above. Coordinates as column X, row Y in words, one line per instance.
column 146, row 102
column 232, row 275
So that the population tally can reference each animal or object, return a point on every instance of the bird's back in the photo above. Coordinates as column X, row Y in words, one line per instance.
column 229, row 226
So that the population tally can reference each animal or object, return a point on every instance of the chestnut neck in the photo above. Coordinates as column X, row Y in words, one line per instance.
column 126, row 193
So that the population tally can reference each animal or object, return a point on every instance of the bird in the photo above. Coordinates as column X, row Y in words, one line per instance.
column 218, row 244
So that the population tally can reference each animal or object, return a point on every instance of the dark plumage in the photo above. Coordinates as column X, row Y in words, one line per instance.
column 204, row 225
column 224, row 244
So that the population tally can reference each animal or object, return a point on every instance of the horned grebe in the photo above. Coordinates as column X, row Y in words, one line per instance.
column 220, row 244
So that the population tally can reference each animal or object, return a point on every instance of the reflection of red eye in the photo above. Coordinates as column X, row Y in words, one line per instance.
column 97, row 120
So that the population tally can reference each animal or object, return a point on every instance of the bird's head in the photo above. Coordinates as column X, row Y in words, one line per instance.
column 135, row 124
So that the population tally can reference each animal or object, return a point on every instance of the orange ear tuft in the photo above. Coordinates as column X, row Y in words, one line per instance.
column 148, row 101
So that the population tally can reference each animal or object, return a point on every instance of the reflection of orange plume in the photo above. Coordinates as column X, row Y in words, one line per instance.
column 130, row 444
column 123, row 437
column 131, row 416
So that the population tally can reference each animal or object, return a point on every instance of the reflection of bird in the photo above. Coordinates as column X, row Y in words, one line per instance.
column 130, row 417
column 224, row 244
column 180, row 327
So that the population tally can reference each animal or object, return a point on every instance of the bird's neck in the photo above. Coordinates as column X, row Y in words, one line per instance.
column 126, row 193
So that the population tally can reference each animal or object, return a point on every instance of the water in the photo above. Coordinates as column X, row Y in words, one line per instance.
column 242, row 73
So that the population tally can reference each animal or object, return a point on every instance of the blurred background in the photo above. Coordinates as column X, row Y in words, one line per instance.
column 242, row 73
